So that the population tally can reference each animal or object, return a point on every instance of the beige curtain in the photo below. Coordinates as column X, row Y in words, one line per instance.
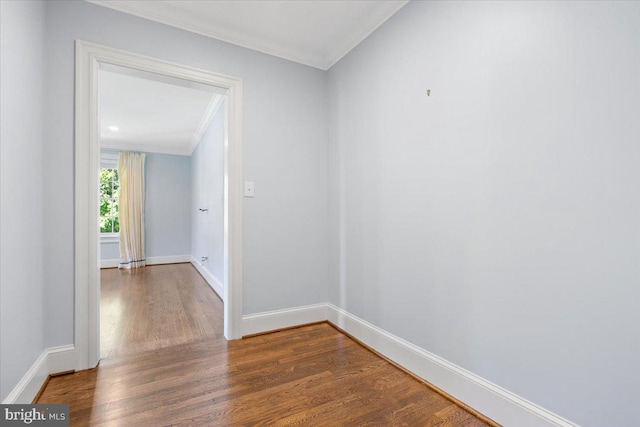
column 131, row 172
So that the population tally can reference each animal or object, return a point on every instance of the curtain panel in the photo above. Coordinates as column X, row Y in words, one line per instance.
column 131, row 171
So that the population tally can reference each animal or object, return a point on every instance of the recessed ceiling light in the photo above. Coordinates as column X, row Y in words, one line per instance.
column 114, row 128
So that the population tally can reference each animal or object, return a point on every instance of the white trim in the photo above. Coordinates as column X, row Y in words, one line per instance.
column 484, row 396
column 215, row 284
column 109, row 263
column 109, row 237
column 279, row 319
column 170, row 15
column 87, row 153
column 207, row 117
column 154, row 260
column 108, row 160
column 133, row 145
column 168, row 259
column 341, row 50
column 233, row 203
column 51, row 361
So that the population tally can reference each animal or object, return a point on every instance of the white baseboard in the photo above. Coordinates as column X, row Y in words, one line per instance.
column 487, row 398
column 51, row 361
column 154, row 260
column 171, row 259
column 279, row 319
column 215, row 284
column 109, row 263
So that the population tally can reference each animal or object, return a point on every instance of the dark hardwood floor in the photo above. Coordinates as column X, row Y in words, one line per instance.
column 169, row 364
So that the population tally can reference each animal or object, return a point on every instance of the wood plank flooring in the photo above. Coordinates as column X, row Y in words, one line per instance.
column 155, row 307
column 179, row 370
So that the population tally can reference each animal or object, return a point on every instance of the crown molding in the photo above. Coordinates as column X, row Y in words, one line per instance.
column 175, row 17
column 366, row 30
column 207, row 118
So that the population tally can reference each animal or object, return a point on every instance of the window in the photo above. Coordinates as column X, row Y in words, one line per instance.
column 109, row 186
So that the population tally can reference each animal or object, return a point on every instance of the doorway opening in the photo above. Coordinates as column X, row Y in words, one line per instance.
column 90, row 58
column 178, row 128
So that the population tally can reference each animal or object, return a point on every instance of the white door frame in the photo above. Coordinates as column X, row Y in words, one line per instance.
column 89, row 56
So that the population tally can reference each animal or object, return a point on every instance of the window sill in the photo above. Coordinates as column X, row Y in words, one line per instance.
column 109, row 237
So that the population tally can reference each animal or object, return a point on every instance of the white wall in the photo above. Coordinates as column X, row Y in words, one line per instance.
column 495, row 223
column 207, row 175
column 21, row 189
column 167, row 208
column 285, row 134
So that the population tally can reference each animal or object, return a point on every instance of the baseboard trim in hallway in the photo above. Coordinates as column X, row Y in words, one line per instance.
column 311, row 375
column 52, row 360
column 422, row 380
column 485, row 397
column 281, row 319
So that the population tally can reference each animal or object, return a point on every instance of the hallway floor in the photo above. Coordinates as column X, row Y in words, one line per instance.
column 166, row 362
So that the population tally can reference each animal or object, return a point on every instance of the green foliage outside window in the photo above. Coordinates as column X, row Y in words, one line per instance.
column 109, row 201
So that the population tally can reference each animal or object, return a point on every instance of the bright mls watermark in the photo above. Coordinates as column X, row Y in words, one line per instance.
column 34, row 415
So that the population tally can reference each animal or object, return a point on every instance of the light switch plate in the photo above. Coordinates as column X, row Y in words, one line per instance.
column 248, row 189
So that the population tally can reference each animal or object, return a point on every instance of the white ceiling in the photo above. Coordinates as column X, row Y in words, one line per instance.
column 317, row 33
column 153, row 113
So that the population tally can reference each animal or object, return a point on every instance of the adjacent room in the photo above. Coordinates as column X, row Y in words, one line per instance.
column 176, row 130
